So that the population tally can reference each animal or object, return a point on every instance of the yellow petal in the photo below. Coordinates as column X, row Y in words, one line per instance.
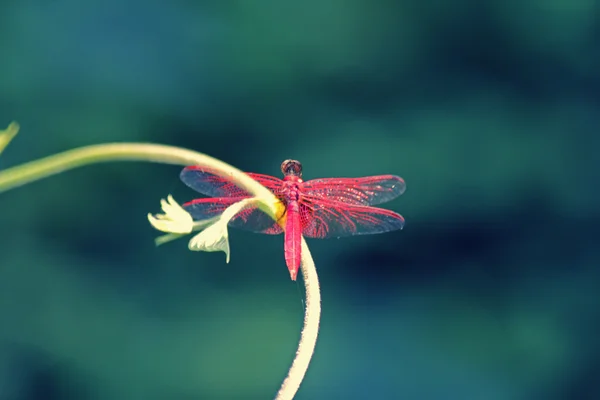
column 216, row 236
column 198, row 225
column 213, row 238
column 8, row 134
column 174, row 220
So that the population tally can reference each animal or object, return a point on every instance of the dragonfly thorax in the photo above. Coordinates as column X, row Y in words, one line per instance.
column 290, row 189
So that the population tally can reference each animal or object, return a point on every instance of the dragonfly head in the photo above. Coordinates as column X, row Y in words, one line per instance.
column 291, row 167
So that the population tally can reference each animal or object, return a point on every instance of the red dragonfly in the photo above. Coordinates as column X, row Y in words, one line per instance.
column 318, row 208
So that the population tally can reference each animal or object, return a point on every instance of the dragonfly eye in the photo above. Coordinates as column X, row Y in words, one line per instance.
column 291, row 167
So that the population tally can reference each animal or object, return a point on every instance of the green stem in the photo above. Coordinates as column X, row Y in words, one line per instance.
column 310, row 331
column 48, row 166
column 34, row 170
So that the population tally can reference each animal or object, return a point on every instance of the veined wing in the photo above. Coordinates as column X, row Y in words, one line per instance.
column 322, row 218
column 250, row 219
column 365, row 191
column 210, row 184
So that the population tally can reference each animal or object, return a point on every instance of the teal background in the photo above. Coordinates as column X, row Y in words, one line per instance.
column 488, row 110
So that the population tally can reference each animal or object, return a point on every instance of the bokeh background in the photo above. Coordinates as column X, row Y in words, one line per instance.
column 488, row 110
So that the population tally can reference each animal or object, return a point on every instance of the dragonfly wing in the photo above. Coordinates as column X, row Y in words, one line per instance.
column 323, row 219
column 250, row 219
column 202, row 180
column 365, row 191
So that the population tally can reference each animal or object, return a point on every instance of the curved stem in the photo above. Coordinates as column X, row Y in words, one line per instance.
column 34, row 170
column 48, row 166
column 310, row 331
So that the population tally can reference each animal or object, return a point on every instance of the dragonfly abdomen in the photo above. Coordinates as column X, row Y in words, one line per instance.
column 293, row 238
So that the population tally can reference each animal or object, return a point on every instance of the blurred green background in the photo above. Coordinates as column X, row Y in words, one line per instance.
column 488, row 110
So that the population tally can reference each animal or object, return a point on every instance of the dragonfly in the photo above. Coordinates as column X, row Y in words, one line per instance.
column 318, row 208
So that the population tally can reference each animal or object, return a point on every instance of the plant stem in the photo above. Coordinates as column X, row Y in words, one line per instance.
column 34, row 170
column 48, row 166
column 310, row 331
